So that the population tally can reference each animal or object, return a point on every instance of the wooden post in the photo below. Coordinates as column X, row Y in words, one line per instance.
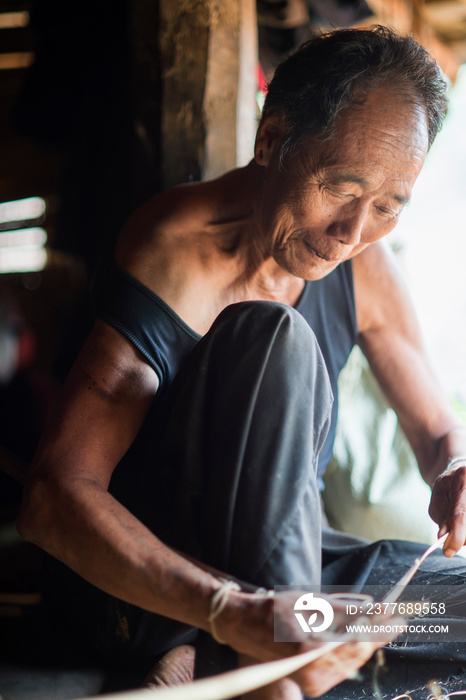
column 195, row 84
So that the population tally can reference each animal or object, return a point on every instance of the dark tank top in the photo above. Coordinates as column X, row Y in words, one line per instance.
column 164, row 339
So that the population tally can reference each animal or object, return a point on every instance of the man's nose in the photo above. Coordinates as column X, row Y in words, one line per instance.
column 348, row 226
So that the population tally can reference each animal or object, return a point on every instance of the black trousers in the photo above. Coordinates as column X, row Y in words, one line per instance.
column 225, row 470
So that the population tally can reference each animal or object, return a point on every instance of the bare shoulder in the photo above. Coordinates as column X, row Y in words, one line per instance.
column 380, row 290
column 375, row 259
column 172, row 242
column 183, row 245
column 181, row 220
column 168, row 219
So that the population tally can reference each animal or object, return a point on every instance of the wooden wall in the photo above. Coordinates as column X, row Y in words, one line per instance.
column 195, row 67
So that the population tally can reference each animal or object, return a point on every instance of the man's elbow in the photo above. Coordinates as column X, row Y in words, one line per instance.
column 35, row 519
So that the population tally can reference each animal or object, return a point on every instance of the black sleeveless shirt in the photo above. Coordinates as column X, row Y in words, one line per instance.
column 164, row 339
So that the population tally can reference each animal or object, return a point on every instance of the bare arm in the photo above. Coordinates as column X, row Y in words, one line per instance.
column 68, row 511
column 391, row 340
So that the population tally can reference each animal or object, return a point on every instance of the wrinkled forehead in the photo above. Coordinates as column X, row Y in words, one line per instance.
column 383, row 120
column 388, row 106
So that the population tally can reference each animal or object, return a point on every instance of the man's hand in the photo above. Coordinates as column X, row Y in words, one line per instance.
column 247, row 624
column 448, row 506
column 342, row 662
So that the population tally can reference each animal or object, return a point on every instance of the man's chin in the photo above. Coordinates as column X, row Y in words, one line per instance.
column 310, row 273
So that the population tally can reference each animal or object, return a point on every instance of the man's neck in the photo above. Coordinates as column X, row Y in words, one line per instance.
column 239, row 232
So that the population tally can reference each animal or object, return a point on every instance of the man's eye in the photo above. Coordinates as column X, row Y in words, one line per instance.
column 388, row 213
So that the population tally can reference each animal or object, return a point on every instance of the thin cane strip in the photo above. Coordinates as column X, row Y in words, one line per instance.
column 393, row 595
column 442, row 696
column 243, row 680
column 232, row 683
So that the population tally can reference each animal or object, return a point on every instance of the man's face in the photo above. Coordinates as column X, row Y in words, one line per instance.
column 335, row 197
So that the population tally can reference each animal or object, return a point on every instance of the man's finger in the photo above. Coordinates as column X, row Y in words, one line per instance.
column 457, row 531
column 439, row 503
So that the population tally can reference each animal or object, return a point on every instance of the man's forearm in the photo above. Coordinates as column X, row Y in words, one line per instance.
column 83, row 526
column 87, row 529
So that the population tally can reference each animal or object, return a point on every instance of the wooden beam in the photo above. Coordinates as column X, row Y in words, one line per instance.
column 230, row 109
column 195, row 72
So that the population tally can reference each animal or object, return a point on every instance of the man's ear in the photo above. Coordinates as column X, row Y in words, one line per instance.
column 270, row 134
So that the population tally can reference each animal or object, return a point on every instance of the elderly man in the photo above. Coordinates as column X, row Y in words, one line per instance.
column 197, row 421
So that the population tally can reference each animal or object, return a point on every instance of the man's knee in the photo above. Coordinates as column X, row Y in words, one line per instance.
column 268, row 342
column 263, row 321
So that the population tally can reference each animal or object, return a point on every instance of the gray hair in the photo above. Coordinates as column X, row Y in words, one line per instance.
column 333, row 71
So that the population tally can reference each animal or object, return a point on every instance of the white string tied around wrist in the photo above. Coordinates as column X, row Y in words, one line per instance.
column 455, row 460
column 217, row 604
column 220, row 599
